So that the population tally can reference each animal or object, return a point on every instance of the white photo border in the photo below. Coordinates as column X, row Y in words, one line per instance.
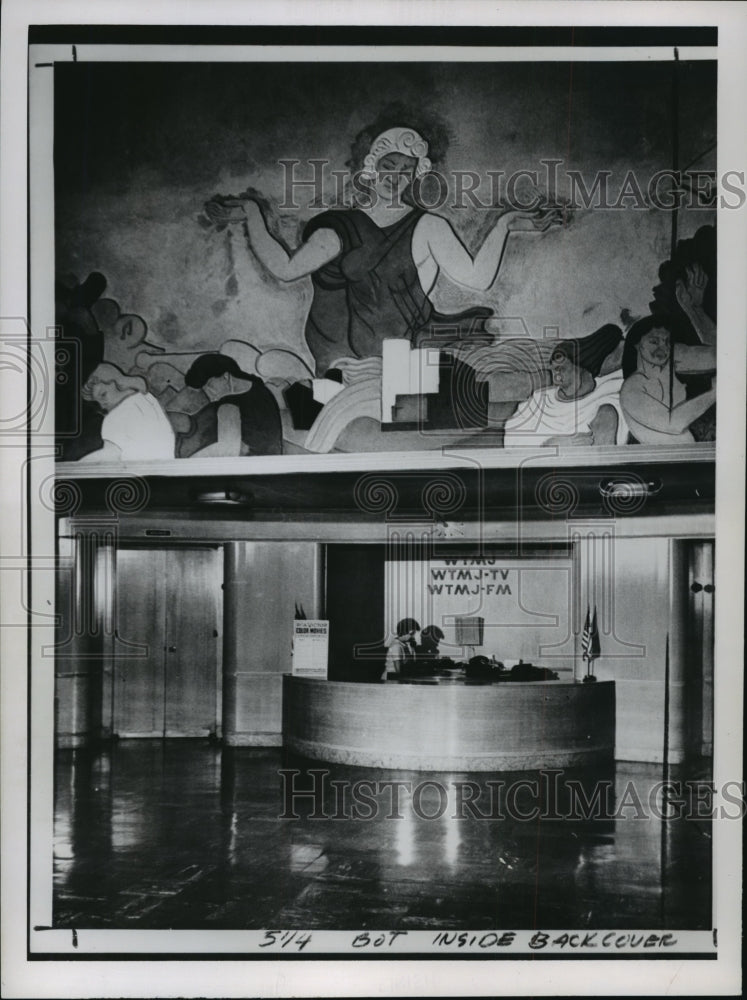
column 22, row 756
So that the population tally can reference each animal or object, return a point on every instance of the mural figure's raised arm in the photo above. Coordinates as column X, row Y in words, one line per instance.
column 321, row 247
column 434, row 240
column 690, row 293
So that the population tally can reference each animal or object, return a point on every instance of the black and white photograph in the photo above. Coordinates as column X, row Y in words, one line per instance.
column 373, row 499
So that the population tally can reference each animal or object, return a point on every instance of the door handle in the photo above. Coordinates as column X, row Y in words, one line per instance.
column 172, row 649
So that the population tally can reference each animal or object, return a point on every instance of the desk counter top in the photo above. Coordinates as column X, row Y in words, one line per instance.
column 455, row 725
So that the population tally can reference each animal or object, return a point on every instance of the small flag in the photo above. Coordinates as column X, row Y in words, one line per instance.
column 586, row 635
column 590, row 648
column 594, row 647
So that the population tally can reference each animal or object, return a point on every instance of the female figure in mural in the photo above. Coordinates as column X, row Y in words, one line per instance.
column 375, row 266
column 653, row 398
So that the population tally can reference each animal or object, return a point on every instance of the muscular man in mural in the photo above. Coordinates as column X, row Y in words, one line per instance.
column 375, row 266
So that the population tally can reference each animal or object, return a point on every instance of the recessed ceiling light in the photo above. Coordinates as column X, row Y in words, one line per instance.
column 232, row 497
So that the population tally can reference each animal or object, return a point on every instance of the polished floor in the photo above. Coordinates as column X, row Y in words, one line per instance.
column 187, row 834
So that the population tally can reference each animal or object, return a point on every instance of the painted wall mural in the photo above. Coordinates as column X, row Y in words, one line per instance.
column 381, row 258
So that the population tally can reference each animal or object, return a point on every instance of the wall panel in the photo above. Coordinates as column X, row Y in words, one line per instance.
column 263, row 584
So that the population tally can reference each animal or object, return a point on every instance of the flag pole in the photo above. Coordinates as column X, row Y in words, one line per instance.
column 665, row 754
column 594, row 647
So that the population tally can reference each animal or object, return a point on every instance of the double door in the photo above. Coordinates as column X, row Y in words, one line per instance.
column 166, row 673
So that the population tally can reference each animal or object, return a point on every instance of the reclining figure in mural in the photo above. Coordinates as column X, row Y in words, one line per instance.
column 241, row 417
column 375, row 266
column 579, row 409
column 135, row 426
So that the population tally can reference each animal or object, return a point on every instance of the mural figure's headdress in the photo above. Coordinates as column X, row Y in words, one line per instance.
column 398, row 140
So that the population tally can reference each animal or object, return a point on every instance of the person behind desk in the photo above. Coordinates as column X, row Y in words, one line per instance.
column 427, row 653
column 400, row 654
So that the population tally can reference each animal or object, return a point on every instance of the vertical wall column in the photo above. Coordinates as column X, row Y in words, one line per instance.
column 72, row 669
column 85, row 625
column 696, row 606
column 263, row 584
column 677, row 736
column 702, row 570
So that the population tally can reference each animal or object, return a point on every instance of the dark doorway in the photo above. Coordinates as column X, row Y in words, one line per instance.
column 355, row 609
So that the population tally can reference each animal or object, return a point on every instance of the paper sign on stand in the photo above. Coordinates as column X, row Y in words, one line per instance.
column 310, row 648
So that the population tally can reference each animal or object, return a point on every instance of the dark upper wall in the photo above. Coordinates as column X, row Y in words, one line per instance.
column 139, row 148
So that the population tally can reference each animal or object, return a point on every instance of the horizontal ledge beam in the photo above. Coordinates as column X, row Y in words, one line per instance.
column 394, row 461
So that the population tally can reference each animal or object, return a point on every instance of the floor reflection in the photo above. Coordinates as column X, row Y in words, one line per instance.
column 187, row 834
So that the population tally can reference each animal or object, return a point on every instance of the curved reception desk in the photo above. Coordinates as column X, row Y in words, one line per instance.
column 443, row 727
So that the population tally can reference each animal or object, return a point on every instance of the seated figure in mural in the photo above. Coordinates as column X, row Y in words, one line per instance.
column 375, row 266
column 579, row 408
column 653, row 397
column 242, row 413
column 134, row 427
column 400, row 654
